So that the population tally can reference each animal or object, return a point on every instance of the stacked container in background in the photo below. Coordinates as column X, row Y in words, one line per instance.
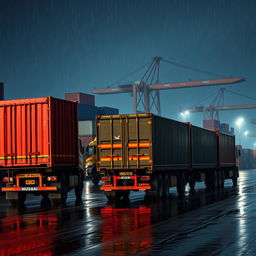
column 87, row 112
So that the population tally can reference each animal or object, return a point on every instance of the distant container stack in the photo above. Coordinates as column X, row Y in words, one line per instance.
column 247, row 159
column 214, row 125
column 87, row 112
column 82, row 98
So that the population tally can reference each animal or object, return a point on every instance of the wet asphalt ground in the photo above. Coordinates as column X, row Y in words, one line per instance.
column 203, row 223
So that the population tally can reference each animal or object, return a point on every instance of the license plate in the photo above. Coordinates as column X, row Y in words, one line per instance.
column 125, row 173
column 29, row 189
column 30, row 182
column 125, row 177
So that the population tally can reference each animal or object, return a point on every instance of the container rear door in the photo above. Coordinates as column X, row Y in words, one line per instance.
column 24, row 133
column 124, row 142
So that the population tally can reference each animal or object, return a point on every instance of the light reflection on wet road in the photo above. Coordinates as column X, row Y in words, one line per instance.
column 203, row 223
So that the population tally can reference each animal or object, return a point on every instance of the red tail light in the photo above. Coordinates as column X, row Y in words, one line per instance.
column 52, row 178
column 7, row 179
column 144, row 178
column 105, row 179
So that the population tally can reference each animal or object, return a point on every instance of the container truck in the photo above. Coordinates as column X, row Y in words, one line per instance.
column 151, row 153
column 39, row 149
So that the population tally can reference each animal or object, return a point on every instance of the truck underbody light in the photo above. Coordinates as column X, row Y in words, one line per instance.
column 111, row 187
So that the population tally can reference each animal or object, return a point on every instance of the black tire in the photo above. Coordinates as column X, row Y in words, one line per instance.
column 192, row 182
column 95, row 180
column 95, row 177
column 79, row 188
column 45, row 195
column 157, row 186
column 45, row 202
column 213, row 180
column 20, row 201
column 63, row 191
column 207, row 181
column 125, row 194
column 114, row 196
column 234, row 178
column 166, row 186
column 221, row 179
column 181, row 184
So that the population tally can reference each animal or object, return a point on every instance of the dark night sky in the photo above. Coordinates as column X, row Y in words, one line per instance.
column 52, row 47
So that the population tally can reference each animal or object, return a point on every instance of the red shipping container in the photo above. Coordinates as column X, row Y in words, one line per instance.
column 38, row 132
column 254, row 153
column 212, row 125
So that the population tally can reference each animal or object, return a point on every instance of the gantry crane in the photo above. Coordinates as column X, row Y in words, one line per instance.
column 211, row 111
column 146, row 91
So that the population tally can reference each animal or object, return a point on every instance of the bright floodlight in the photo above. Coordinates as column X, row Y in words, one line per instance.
column 239, row 122
column 184, row 113
column 246, row 133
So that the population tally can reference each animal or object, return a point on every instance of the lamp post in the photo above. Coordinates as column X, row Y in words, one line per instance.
column 184, row 115
column 239, row 123
column 246, row 136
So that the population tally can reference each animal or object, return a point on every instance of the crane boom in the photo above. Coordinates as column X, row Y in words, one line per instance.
column 176, row 85
column 198, row 83
column 222, row 108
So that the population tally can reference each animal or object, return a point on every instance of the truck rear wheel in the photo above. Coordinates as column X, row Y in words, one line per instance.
column 181, row 184
column 115, row 195
column 214, row 180
column 234, row 178
column 95, row 177
column 166, row 186
column 20, row 201
column 157, row 189
column 79, row 188
column 207, row 181
column 192, row 182
column 221, row 179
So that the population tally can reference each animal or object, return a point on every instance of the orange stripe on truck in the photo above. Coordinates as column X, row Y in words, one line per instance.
column 139, row 158
column 115, row 158
column 130, row 145
column 106, row 146
column 141, row 145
